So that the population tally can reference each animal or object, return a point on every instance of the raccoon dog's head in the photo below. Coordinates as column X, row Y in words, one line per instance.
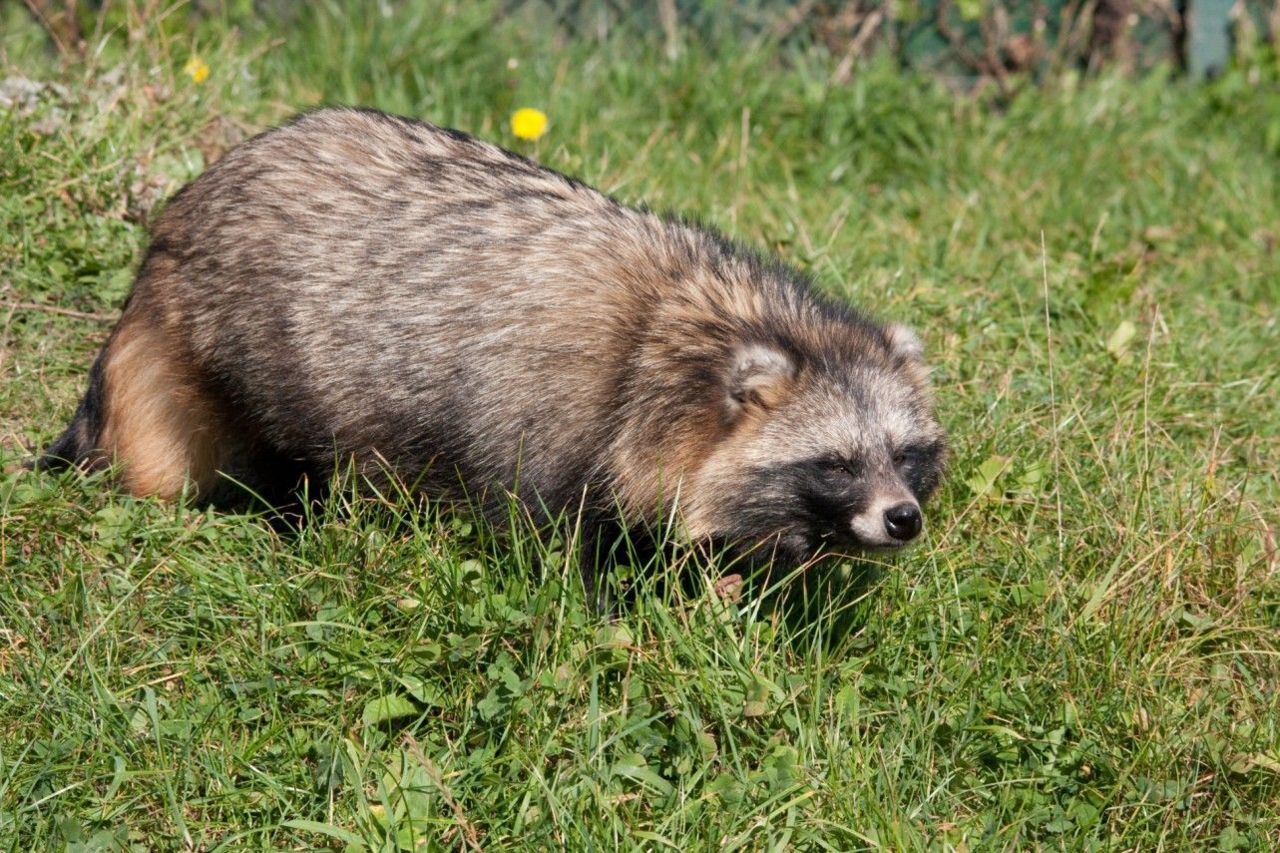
column 830, row 447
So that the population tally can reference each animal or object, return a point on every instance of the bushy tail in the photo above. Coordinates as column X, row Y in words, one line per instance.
column 78, row 444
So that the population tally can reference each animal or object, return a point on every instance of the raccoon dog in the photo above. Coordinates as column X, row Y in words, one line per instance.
column 428, row 305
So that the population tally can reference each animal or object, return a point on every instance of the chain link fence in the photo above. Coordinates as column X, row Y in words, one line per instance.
column 993, row 40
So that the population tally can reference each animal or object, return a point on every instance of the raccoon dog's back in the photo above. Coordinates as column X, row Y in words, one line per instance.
column 428, row 304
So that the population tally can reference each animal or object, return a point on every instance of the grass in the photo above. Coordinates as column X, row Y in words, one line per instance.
column 1084, row 654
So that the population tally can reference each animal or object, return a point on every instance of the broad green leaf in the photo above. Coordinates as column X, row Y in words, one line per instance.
column 1118, row 343
column 389, row 707
column 633, row 766
column 422, row 690
column 335, row 832
column 984, row 478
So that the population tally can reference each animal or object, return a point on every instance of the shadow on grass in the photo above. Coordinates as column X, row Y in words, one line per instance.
column 624, row 572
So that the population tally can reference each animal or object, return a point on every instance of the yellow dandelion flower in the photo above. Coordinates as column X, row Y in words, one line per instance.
column 528, row 123
column 196, row 69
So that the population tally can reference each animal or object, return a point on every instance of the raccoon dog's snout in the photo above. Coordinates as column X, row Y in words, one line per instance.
column 903, row 521
column 434, row 308
column 892, row 520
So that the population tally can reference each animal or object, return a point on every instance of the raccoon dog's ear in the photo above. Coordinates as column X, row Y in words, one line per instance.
column 907, row 353
column 759, row 376
column 904, row 343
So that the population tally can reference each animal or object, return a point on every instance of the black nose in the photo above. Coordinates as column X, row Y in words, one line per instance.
column 903, row 521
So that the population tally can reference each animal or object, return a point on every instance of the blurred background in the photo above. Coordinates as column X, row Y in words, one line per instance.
column 967, row 40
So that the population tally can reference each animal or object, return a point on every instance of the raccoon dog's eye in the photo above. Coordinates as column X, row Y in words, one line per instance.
column 907, row 455
column 840, row 467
